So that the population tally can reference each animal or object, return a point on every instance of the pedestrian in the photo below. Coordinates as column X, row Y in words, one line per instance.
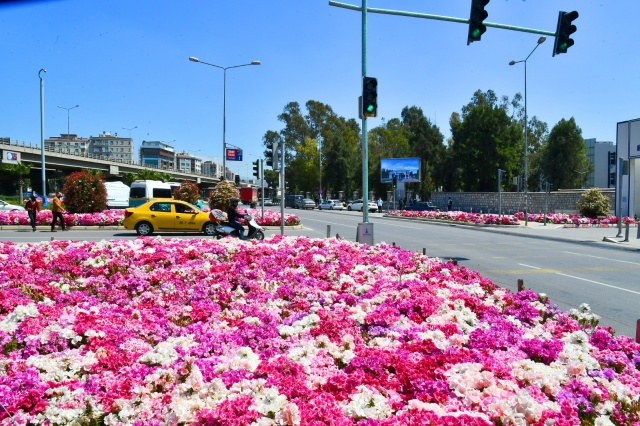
column 450, row 205
column 379, row 205
column 33, row 208
column 57, row 210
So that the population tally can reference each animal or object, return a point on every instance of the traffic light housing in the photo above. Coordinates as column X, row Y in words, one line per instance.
column 369, row 96
column 476, row 20
column 271, row 154
column 563, row 32
column 394, row 182
column 257, row 172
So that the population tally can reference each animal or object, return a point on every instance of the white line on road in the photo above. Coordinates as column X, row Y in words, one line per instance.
column 584, row 279
column 603, row 258
column 599, row 283
column 528, row 266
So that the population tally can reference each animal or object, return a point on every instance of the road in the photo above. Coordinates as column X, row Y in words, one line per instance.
column 569, row 273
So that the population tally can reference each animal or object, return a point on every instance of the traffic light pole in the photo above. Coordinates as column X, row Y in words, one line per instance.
column 366, row 9
column 365, row 139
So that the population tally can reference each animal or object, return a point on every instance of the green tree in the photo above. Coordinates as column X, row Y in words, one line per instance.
column 389, row 140
column 84, row 192
column 485, row 138
column 427, row 143
column 20, row 173
column 341, row 156
column 564, row 158
column 146, row 174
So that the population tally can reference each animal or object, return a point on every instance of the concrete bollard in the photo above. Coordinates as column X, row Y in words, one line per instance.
column 454, row 262
column 520, row 285
column 424, row 251
column 638, row 331
column 626, row 232
column 328, row 231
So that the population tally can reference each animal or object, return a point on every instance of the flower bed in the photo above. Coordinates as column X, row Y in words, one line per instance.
column 116, row 218
column 574, row 219
column 458, row 216
column 292, row 331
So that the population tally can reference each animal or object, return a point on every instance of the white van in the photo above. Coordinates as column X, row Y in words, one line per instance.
column 117, row 195
column 143, row 191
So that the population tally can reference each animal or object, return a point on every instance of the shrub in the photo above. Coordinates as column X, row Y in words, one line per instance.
column 222, row 195
column 593, row 204
column 188, row 192
column 84, row 192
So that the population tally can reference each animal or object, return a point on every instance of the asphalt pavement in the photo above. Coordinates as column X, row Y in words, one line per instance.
column 606, row 237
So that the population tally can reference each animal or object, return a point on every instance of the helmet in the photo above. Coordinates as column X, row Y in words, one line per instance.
column 235, row 200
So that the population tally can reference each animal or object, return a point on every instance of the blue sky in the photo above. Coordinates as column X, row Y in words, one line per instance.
column 125, row 62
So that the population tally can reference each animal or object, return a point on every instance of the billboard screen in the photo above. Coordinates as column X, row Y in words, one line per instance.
column 406, row 169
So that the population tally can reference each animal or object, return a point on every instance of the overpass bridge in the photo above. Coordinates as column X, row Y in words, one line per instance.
column 59, row 163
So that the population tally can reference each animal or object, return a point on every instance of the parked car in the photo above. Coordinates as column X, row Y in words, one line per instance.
column 331, row 205
column 305, row 203
column 167, row 215
column 358, row 205
column 4, row 206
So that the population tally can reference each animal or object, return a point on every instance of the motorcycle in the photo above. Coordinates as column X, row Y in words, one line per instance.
column 256, row 232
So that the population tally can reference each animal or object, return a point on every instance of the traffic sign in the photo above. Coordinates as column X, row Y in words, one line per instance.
column 234, row 154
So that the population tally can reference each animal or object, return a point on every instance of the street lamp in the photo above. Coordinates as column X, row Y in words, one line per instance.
column 132, row 150
column 224, row 107
column 44, row 182
column 526, row 145
column 68, row 109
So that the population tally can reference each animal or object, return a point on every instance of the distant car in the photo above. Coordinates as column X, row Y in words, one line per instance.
column 305, row 203
column 4, row 206
column 358, row 205
column 267, row 202
column 167, row 215
column 331, row 205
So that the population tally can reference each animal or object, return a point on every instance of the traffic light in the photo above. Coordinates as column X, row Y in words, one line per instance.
column 271, row 153
column 476, row 18
column 563, row 32
column 394, row 182
column 370, row 96
column 256, row 169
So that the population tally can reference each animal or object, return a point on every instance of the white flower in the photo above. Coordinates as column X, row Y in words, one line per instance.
column 10, row 323
column 366, row 404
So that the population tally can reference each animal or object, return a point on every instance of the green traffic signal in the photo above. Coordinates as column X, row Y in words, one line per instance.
column 370, row 96
column 476, row 20
column 563, row 32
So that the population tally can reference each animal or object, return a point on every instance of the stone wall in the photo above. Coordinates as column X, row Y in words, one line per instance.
column 563, row 201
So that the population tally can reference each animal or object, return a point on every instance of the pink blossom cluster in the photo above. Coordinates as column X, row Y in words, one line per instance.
column 116, row 218
column 458, row 216
column 292, row 331
column 561, row 218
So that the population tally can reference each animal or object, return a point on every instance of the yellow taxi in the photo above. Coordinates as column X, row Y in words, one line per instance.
column 167, row 215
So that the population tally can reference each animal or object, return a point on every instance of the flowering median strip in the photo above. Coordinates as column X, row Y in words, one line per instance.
column 292, row 331
column 116, row 218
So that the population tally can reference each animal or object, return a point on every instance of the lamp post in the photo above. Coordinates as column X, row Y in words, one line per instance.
column 526, row 131
column 224, row 106
column 44, row 182
column 68, row 109
column 132, row 150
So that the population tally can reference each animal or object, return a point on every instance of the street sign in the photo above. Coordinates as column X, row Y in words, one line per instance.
column 234, row 154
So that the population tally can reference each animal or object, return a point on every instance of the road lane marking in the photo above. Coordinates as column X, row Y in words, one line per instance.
column 603, row 258
column 528, row 266
column 599, row 283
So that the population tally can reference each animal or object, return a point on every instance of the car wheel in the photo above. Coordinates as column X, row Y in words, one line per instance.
column 209, row 228
column 319, row 207
column 144, row 229
column 361, row 209
column 349, row 208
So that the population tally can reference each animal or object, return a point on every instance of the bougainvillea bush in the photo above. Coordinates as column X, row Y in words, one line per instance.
column 84, row 192
column 116, row 218
column 292, row 331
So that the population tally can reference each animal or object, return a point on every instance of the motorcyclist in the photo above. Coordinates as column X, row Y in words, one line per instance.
column 232, row 217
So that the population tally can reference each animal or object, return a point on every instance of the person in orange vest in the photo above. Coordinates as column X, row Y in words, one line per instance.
column 57, row 210
column 33, row 208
